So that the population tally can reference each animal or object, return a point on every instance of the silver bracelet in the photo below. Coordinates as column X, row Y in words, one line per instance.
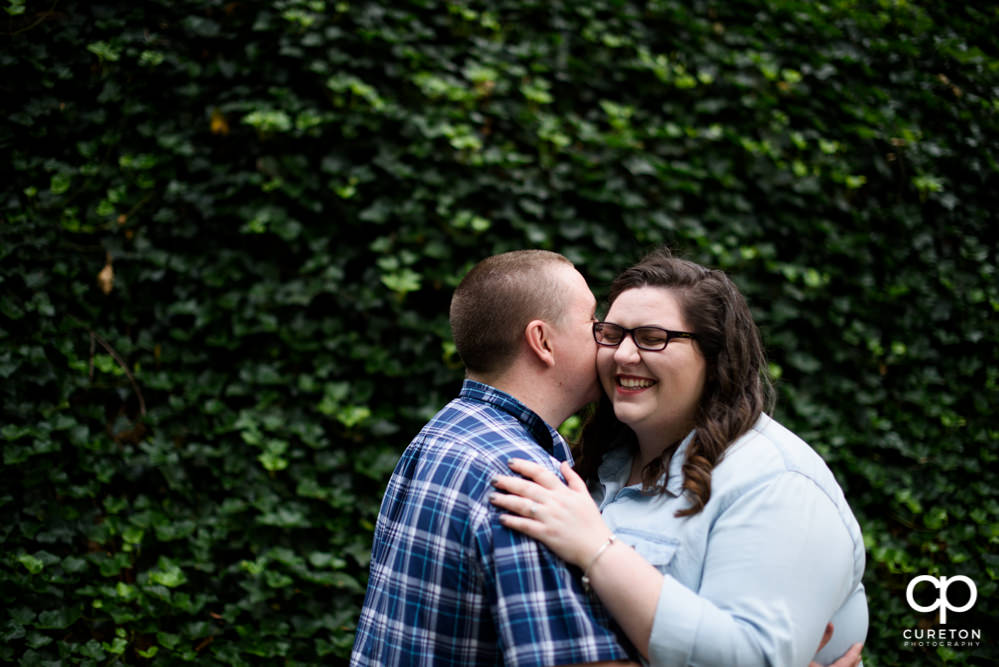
column 600, row 552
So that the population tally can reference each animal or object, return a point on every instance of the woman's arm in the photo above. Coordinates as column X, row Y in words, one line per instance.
column 779, row 563
column 738, row 582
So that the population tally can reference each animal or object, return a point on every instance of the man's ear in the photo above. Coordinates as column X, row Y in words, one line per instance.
column 538, row 335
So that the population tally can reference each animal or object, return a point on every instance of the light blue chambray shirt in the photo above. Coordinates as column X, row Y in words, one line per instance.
column 754, row 577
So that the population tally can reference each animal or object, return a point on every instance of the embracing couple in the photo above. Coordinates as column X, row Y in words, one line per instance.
column 694, row 529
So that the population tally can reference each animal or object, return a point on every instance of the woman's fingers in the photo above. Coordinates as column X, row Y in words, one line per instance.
column 522, row 506
column 536, row 472
column 574, row 481
column 826, row 636
column 519, row 487
column 545, row 506
column 564, row 518
column 525, row 526
column 534, row 481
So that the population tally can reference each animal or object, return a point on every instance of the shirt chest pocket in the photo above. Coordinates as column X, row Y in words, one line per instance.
column 658, row 550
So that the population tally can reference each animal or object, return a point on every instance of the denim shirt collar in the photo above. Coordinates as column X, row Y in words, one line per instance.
column 674, row 484
column 615, row 469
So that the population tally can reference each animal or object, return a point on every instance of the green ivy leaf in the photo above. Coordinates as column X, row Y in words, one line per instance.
column 167, row 574
column 31, row 563
column 403, row 281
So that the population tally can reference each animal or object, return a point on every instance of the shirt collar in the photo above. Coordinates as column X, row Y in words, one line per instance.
column 674, row 483
column 546, row 436
column 616, row 467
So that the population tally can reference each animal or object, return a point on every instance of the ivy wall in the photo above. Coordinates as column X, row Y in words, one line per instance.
column 229, row 231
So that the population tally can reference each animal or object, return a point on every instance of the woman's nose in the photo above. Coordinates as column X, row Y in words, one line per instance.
column 627, row 352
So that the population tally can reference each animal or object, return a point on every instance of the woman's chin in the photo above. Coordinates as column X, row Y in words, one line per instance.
column 626, row 414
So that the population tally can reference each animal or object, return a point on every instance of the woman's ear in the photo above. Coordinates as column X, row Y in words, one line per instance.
column 538, row 335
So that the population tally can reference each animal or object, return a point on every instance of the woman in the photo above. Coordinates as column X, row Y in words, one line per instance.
column 742, row 545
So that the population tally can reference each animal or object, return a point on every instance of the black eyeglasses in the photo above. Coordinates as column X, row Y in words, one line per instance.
column 652, row 339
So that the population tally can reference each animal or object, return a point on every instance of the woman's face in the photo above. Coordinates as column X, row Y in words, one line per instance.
column 655, row 393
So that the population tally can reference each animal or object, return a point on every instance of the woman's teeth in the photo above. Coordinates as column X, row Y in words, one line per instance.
column 635, row 383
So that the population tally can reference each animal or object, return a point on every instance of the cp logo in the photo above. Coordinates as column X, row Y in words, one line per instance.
column 942, row 603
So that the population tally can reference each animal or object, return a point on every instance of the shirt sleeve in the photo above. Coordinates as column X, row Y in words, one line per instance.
column 540, row 612
column 779, row 564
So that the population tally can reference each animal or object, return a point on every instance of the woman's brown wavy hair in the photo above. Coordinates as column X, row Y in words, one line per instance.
column 737, row 386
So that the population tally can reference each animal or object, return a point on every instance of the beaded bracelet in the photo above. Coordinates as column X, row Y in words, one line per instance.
column 600, row 552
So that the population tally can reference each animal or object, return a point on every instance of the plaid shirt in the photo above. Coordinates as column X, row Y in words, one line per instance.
column 449, row 585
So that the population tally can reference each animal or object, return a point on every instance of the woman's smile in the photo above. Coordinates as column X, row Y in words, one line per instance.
column 632, row 384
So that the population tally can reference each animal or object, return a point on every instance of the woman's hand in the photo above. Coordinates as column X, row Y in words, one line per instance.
column 849, row 659
column 564, row 518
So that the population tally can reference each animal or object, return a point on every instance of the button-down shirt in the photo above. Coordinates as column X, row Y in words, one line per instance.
column 754, row 577
column 448, row 584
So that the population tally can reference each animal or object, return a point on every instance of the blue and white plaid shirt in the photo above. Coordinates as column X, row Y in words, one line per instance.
column 449, row 585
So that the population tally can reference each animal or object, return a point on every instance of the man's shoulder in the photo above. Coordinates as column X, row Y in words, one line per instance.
column 477, row 430
column 460, row 450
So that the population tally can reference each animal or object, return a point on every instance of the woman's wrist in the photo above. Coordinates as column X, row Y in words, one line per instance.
column 589, row 565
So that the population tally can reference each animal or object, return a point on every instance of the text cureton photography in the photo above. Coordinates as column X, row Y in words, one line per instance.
column 954, row 637
column 936, row 593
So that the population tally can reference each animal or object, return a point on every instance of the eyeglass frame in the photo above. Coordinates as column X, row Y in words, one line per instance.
column 670, row 335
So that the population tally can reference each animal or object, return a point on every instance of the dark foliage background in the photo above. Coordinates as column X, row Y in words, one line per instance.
column 230, row 231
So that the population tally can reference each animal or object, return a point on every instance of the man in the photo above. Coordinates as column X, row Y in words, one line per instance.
column 448, row 584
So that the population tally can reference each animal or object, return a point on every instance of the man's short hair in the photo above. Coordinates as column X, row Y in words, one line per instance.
column 494, row 302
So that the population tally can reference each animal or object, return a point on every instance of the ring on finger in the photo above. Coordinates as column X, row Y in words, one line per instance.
column 533, row 510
